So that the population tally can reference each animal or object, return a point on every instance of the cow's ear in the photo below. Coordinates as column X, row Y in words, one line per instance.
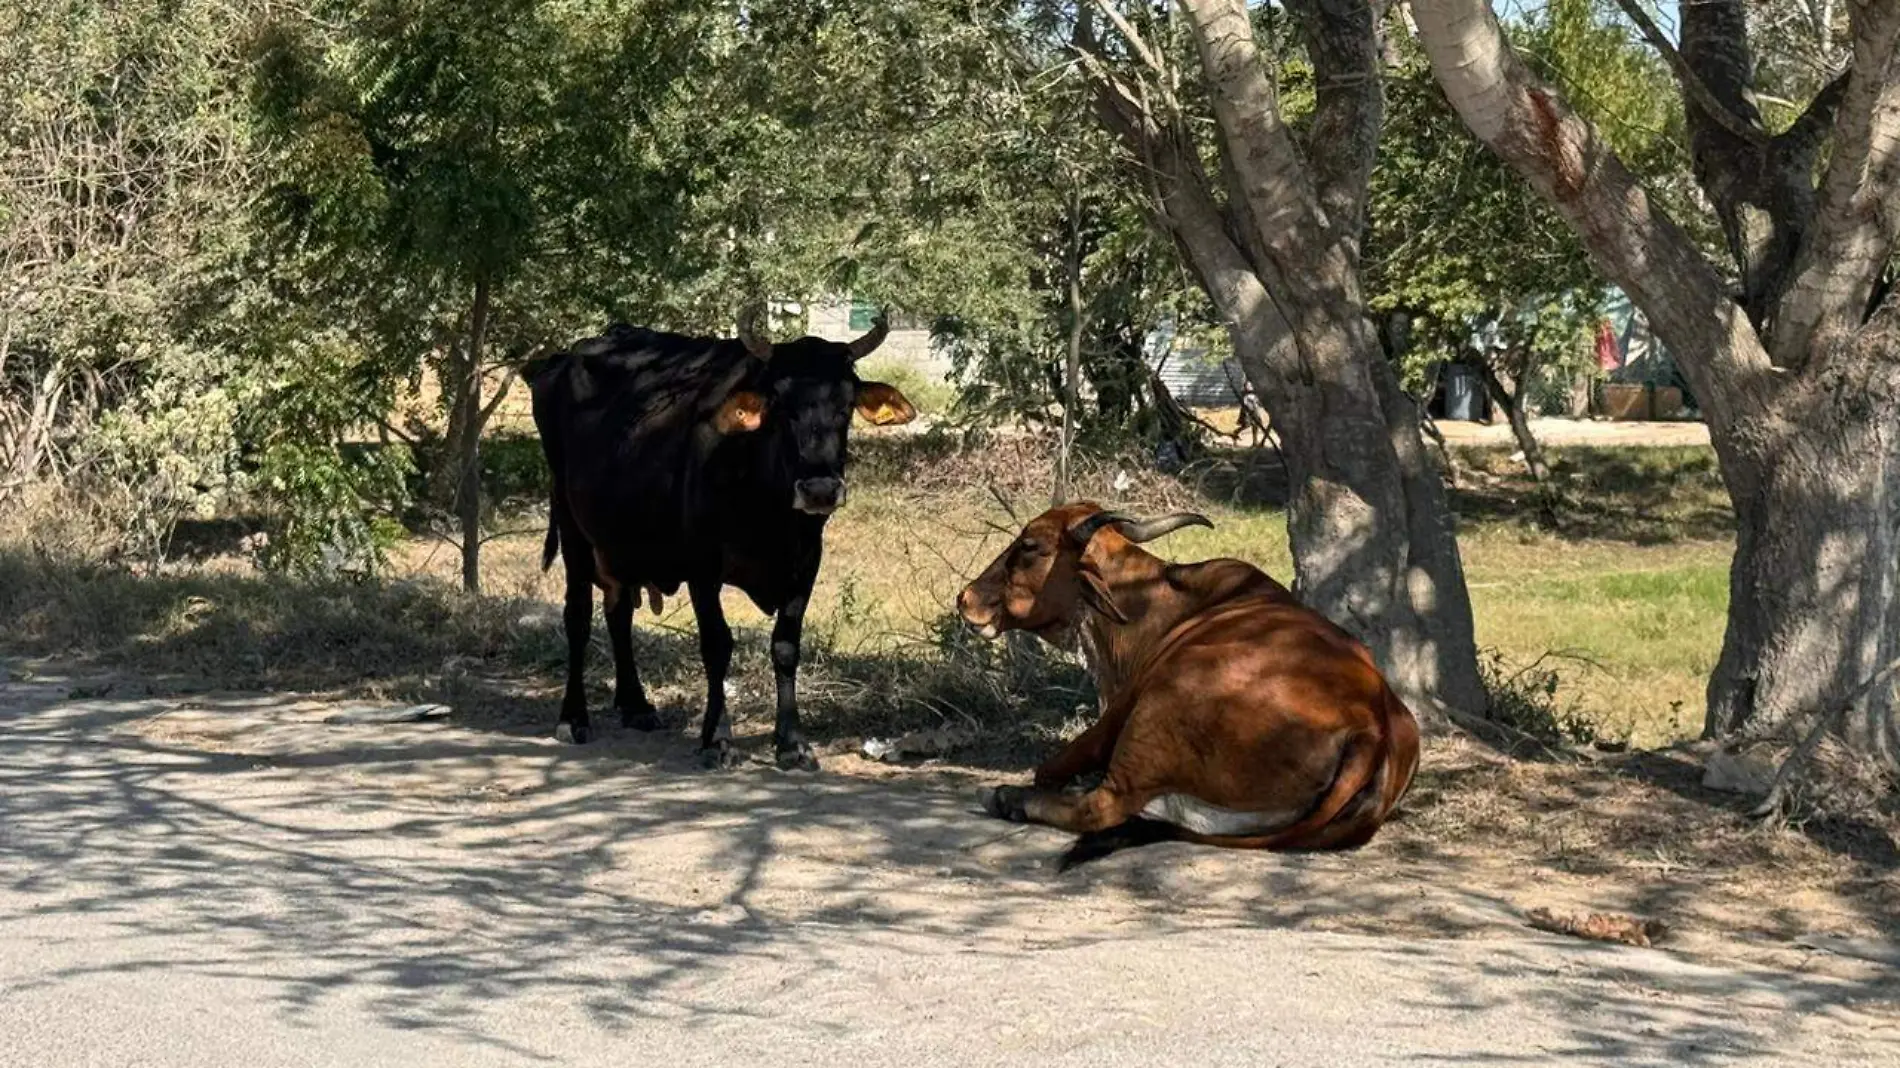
column 742, row 412
column 883, row 405
column 1095, row 592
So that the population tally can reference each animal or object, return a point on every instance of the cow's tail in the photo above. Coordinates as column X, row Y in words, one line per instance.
column 551, row 545
column 547, row 425
column 1343, row 814
column 1135, row 831
column 1401, row 762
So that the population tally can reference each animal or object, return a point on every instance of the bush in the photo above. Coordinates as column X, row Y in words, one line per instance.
column 1527, row 699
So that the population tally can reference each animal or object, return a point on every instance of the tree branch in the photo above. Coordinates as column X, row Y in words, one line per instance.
column 508, row 377
column 1693, row 87
column 1811, row 126
column 1184, row 206
column 1342, row 40
column 1858, row 222
column 1262, row 155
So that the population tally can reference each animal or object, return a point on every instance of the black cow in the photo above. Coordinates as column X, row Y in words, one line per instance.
column 703, row 461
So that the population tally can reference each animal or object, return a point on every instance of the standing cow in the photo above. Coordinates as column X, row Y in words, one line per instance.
column 703, row 461
column 1231, row 714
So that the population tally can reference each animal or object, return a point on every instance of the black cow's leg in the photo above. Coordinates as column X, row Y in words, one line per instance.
column 578, row 619
column 629, row 696
column 715, row 651
column 794, row 754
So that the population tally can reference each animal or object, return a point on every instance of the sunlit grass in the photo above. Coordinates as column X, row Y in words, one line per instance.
column 1636, row 621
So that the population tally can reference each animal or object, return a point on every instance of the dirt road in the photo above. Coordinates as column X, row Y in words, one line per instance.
column 238, row 881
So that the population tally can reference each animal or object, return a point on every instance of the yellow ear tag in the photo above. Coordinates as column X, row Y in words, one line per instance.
column 883, row 405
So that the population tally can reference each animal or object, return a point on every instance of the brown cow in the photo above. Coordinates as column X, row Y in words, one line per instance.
column 1229, row 711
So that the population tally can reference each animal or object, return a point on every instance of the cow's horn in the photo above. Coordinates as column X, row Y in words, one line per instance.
column 757, row 341
column 868, row 344
column 1135, row 530
column 1084, row 532
column 1139, row 531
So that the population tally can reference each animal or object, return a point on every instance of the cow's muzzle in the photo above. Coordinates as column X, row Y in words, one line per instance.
column 818, row 496
column 967, row 607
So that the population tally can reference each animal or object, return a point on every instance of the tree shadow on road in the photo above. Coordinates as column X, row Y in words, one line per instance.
column 429, row 873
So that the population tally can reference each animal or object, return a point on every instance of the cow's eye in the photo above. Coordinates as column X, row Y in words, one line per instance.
column 1031, row 548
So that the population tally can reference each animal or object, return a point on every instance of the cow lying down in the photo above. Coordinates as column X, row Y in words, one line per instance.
column 1230, row 714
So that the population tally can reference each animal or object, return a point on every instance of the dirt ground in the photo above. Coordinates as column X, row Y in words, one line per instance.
column 474, row 886
column 1483, row 839
column 1559, row 432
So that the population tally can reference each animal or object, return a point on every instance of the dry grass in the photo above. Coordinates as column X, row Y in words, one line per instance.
column 1632, row 605
column 1638, row 831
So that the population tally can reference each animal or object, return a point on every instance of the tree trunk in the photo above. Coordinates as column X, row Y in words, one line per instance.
column 1512, row 403
column 1802, row 393
column 36, row 436
column 1072, row 369
column 1370, row 528
column 468, row 457
column 1813, row 608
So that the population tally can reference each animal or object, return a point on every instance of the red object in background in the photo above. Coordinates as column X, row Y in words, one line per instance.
column 1609, row 355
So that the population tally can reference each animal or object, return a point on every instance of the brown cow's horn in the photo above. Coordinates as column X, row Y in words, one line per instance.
column 1150, row 529
column 868, row 344
column 757, row 341
column 1084, row 532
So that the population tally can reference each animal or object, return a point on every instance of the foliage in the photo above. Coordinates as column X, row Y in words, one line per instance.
column 123, row 162
column 1483, row 270
column 135, row 308
column 1057, row 193
column 1526, row 698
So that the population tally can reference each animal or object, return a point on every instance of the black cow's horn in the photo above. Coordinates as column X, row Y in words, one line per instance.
column 757, row 341
column 868, row 344
column 1136, row 530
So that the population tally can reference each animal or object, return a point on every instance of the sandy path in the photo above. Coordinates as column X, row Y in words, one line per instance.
column 234, row 881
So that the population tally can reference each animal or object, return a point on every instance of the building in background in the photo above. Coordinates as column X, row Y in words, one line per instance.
column 1195, row 375
column 841, row 319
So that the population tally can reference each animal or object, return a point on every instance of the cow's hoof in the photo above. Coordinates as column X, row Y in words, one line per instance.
column 645, row 718
column 720, row 758
column 797, row 758
column 1006, row 803
column 569, row 733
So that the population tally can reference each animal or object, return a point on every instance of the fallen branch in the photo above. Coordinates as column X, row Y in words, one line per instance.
column 1008, row 508
column 1599, row 926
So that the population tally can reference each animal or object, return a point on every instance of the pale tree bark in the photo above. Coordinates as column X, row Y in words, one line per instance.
column 1278, row 255
column 1797, row 367
column 1072, row 364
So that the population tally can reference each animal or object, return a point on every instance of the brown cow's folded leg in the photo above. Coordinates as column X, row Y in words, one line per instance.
column 1093, row 811
column 1086, row 752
